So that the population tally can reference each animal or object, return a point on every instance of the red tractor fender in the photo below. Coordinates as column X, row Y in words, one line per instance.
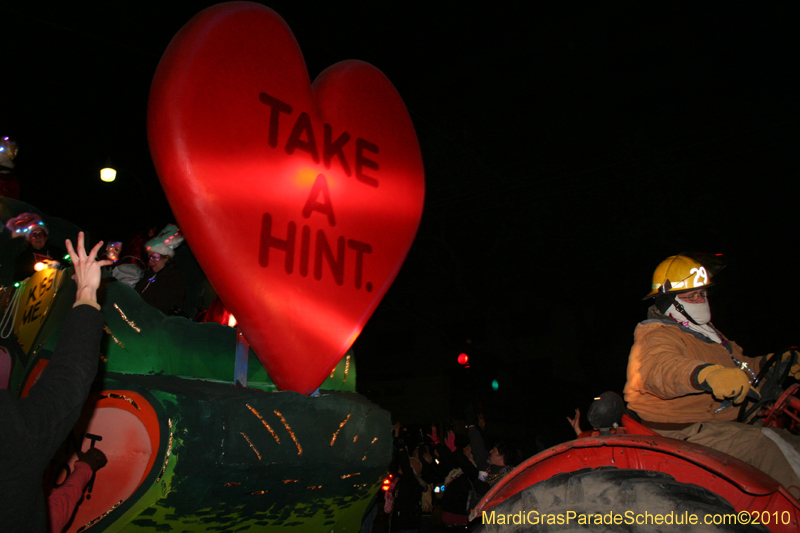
column 745, row 487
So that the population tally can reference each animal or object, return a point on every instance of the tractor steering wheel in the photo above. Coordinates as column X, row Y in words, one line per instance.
column 770, row 391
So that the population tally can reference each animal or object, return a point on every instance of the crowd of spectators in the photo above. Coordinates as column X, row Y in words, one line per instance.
column 438, row 475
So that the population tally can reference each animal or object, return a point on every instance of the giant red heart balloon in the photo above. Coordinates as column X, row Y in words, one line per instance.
column 299, row 201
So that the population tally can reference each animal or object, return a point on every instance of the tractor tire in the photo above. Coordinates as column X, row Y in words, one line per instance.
column 612, row 492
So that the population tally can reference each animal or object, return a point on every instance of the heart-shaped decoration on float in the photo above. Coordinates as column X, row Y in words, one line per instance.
column 300, row 201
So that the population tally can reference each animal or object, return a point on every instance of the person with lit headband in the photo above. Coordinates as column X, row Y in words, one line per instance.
column 162, row 285
column 686, row 380
column 37, row 251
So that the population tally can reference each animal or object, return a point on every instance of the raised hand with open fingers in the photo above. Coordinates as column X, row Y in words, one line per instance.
column 87, row 268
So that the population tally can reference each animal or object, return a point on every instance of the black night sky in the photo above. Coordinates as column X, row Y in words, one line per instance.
column 567, row 151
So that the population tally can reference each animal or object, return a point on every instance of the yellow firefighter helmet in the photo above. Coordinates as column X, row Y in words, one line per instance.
column 678, row 273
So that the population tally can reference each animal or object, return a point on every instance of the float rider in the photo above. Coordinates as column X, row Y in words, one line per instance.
column 38, row 247
column 685, row 379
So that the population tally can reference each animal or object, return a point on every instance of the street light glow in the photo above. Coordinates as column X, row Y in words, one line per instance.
column 108, row 174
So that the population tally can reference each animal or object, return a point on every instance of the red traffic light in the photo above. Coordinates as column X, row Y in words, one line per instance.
column 463, row 359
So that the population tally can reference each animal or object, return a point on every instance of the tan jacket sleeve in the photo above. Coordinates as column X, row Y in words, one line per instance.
column 660, row 362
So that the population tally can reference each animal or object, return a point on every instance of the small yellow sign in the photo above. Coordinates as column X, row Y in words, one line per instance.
column 34, row 302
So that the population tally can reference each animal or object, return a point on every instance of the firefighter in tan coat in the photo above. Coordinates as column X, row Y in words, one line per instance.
column 686, row 379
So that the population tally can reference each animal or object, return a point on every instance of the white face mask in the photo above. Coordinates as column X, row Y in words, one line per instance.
column 700, row 312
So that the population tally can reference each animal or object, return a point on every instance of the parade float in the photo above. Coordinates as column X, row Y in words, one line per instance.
column 209, row 427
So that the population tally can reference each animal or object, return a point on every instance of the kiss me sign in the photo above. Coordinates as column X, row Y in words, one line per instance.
column 299, row 200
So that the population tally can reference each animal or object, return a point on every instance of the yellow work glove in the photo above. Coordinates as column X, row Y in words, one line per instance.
column 791, row 355
column 724, row 383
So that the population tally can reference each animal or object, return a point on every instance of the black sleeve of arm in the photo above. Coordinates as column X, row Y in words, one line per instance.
column 479, row 453
column 54, row 403
column 471, row 472
column 469, row 469
column 430, row 472
column 445, row 455
column 403, row 460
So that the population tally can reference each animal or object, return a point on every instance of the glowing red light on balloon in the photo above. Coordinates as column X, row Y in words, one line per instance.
column 463, row 359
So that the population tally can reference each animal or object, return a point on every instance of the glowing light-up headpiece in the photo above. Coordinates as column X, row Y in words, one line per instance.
column 24, row 223
column 166, row 241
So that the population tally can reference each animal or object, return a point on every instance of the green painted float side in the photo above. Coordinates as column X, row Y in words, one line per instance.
column 144, row 341
column 319, row 467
